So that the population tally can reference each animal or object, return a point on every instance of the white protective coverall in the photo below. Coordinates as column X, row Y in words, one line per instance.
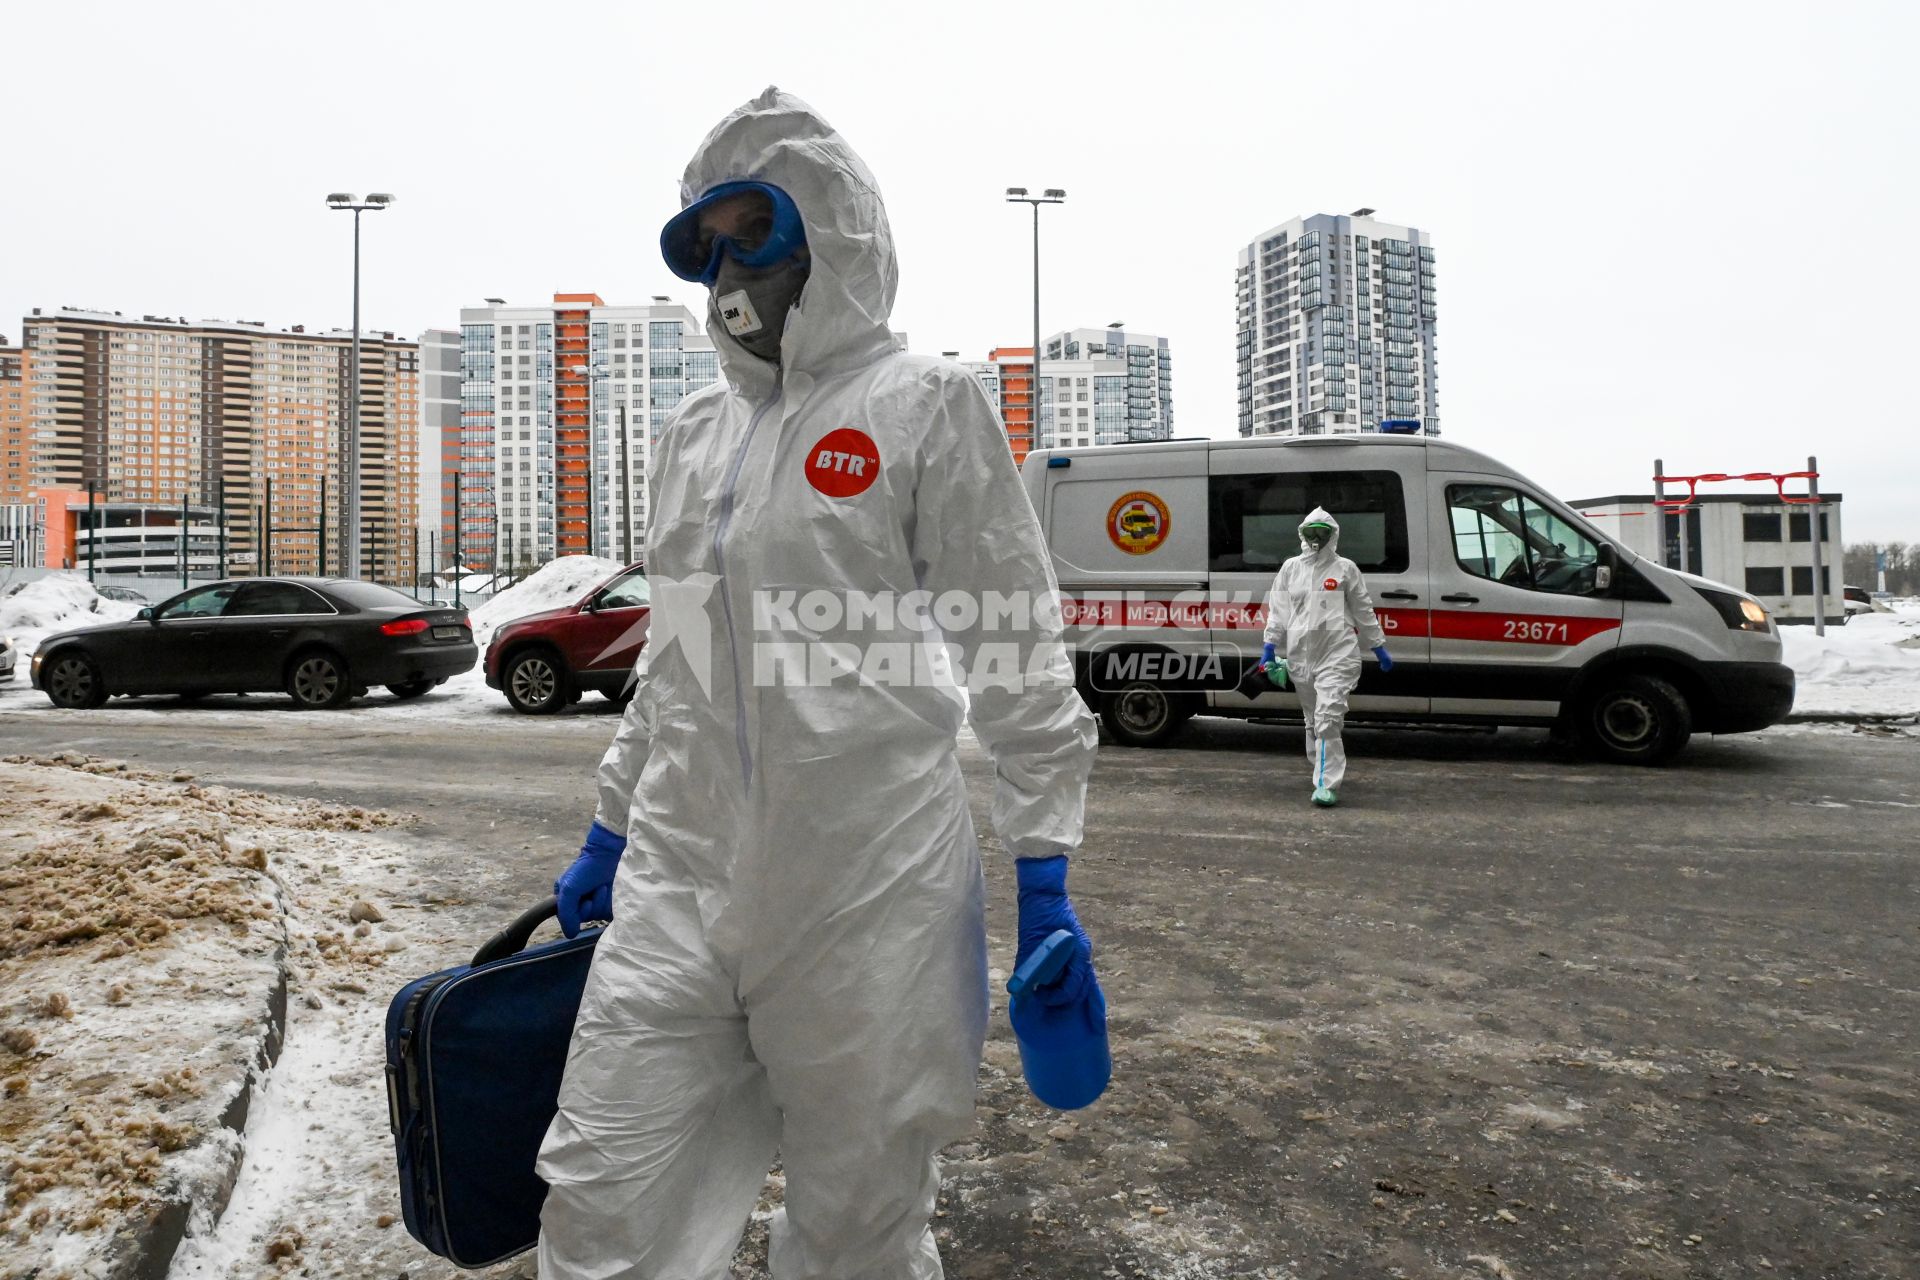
column 797, row 958
column 1318, row 602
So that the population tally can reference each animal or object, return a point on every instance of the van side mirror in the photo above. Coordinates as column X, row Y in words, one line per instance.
column 1603, row 572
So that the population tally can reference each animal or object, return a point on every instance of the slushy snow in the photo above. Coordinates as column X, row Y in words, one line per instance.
column 150, row 922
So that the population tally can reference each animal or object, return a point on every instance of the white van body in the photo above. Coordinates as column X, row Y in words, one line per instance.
column 1500, row 603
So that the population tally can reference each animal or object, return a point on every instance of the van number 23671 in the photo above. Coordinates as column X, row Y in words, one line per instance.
column 1536, row 632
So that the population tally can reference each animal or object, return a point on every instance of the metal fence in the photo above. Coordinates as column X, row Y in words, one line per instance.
column 152, row 588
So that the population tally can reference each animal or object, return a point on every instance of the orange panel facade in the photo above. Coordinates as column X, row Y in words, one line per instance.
column 16, row 453
column 572, row 416
column 1017, row 400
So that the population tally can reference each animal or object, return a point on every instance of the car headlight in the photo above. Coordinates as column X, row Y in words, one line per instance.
column 33, row 669
column 1740, row 613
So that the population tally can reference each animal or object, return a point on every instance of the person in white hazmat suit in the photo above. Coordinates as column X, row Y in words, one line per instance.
column 796, row 959
column 1318, row 616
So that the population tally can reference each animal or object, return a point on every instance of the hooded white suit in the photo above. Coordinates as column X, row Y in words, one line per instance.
column 1318, row 602
column 797, row 958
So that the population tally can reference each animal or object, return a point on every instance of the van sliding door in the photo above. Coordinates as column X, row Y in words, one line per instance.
column 1255, row 506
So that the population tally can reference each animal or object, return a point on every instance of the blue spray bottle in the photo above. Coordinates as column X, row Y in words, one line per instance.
column 1063, row 1049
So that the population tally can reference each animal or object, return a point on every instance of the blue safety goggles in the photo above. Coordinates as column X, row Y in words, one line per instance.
column 767, row 231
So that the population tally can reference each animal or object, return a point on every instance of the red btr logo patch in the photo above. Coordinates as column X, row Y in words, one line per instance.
column 1331, row 584
column 843, row 463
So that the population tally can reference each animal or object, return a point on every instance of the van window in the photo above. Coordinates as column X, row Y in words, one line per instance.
column 1505, row 535
column 1254, row 519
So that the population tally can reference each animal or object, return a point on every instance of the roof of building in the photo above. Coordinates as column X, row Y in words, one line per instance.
column 1746, row 499
column 252, row 328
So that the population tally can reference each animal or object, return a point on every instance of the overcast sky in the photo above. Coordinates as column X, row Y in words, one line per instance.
column 1675, row 230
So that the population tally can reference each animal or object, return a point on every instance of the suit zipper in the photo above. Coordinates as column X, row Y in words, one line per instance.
column 726, row 596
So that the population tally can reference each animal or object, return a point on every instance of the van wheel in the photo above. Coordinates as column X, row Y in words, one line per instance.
column 1142, row 714
column 1636, row 719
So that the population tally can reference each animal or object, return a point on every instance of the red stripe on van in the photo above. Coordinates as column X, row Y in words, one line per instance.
column 1518, row 628
column 1203, row 615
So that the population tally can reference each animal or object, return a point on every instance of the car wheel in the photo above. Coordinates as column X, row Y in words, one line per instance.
column 72, row 680
column 1637, row 719
column 317, row 681
column 536, row 683
column 413, row 688
column 1142, row 714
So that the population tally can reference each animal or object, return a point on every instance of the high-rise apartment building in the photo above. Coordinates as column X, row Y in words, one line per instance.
column 1007, row 375
column 560, row 406
column 236, row 417
column 1335, row 327
column 16, row 423
column 439, row 442
column 1097, row 386
column 1104, row 386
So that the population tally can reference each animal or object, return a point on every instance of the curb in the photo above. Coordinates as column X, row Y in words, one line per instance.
column 1853, row 717
column 146, row 1250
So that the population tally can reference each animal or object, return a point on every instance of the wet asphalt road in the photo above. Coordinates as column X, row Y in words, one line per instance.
column 1504, row 1008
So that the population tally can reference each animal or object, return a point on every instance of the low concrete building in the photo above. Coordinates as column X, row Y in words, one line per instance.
column 1753, row 541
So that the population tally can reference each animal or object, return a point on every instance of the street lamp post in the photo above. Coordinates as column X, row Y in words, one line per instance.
column 600, row 373
column 1052, row 195
column 350, row 447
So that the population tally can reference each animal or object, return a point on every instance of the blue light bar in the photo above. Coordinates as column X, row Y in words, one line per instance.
column 1400, row 426
column 1059, row 462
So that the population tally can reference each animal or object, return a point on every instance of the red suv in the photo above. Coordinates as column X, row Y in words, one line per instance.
column 546, row 660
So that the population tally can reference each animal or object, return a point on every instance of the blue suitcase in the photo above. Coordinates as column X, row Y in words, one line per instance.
column 474, row 1060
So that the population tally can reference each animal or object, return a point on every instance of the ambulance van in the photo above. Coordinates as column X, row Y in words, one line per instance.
column 1501, row 605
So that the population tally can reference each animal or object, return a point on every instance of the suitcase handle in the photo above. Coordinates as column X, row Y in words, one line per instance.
column 513, row 939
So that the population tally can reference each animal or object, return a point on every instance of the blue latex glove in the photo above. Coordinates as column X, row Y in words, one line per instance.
column 1276, row 668
column 1043, row 909
column 584, row 890
column 1386, row 659
column 1266, row 655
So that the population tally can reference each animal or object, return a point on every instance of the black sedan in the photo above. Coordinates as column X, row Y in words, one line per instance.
column 323, row 640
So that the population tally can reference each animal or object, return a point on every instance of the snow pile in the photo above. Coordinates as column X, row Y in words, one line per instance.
column 141, row 949
column 1871, row 666
column 154, row 928
column 57, row 603
column 554, row 585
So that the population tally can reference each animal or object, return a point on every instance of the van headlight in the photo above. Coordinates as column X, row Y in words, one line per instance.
column 1740, row 613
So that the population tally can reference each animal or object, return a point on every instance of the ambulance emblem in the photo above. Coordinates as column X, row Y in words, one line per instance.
column 1138, row 522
